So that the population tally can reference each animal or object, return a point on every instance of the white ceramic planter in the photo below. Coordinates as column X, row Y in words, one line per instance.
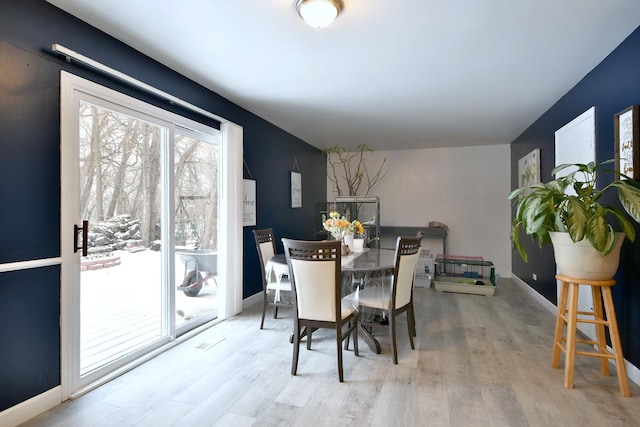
column 581, row 260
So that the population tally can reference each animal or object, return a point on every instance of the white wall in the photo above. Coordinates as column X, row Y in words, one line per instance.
column 465, row 188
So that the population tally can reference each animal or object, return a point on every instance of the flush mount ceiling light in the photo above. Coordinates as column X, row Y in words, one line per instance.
column 318, row 13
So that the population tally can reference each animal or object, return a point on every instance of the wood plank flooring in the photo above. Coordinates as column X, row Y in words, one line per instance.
column 479, row 361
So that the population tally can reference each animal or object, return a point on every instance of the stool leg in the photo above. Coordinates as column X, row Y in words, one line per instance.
column 615, row 342
column 596, row 291
column 557, row 340
column 570, row 353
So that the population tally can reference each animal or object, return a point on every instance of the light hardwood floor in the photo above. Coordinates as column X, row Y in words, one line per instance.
column 479, row 361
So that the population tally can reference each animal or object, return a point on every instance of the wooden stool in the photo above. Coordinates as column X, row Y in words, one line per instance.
column 601, row 290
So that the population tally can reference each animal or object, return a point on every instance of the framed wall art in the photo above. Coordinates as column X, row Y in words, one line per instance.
column 529, row 169
column 626, row 132
column 296, row 189
column 248, row 202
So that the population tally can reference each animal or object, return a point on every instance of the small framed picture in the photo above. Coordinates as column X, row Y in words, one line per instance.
column 626, row 133
column 296, row 189
column 529, row 169
column 248, row 203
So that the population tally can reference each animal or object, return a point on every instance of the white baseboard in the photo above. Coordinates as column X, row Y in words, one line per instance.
column 633, row 373
column 28, row 409
column 542, row 300
column 253, row 299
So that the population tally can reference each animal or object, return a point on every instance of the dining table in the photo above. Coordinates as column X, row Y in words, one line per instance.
column 365, row 268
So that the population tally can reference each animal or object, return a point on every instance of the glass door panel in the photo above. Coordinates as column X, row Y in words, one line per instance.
column 196, row 227
column 121, row 289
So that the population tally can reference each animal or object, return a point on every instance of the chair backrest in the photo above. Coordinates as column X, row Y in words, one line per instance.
column 266, row 247
column 315, row 274
column 407, row 252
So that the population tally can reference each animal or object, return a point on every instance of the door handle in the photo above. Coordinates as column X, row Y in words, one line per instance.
column 85, row 233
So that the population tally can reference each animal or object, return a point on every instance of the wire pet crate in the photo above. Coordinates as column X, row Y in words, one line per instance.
column 464, row 274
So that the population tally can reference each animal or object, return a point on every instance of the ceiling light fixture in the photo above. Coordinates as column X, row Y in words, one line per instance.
column 318, row 13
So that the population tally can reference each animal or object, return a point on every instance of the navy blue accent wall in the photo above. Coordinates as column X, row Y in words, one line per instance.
column 611, row 87
column 273, row 194
column 30, row 355
column 29, row 168
column 30, row 175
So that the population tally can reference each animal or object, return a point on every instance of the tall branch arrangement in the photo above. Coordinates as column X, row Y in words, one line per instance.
column 348, row 167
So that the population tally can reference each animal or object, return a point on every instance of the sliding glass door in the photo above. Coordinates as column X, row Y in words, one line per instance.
column 147, row 184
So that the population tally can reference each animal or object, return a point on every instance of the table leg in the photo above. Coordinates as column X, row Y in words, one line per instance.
column 369, row 339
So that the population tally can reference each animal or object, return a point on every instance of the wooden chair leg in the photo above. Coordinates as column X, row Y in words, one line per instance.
column 410, row 328
column 309, row 331
column 557, row 340
column 570, row 353
column 616, row 346
column 346, row 340
column 392, row 337
column 339, row 350
column 264, row 309
column 275, row 312
column 413, row 320
column 296, row 347
column 600, row 331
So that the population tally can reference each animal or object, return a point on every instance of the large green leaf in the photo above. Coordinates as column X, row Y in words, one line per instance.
column 529, row 216
column 630, row 199
column 515, row 193
column 558, row 185
column 534, row 224
column 598, row 231
column 609, row 240
column 627, row 228
column 576, row 218
column 515, row 240
column 558, row 222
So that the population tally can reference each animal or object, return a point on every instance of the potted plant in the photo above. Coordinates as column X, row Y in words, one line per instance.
column 551, row 214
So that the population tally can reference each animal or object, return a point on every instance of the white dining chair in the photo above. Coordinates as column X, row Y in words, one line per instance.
column 274, row 285
column 316, row 277
column 396, row 300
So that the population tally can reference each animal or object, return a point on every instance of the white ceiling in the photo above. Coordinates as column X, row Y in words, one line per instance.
column 389, row 74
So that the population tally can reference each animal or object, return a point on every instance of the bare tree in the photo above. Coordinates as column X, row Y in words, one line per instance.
column 128, row 144
column 120, row 162
column 149, row 184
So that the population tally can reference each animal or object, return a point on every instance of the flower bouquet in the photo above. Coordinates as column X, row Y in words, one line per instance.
column 340, row 227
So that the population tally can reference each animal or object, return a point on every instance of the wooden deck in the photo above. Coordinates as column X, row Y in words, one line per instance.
column 121, row 308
